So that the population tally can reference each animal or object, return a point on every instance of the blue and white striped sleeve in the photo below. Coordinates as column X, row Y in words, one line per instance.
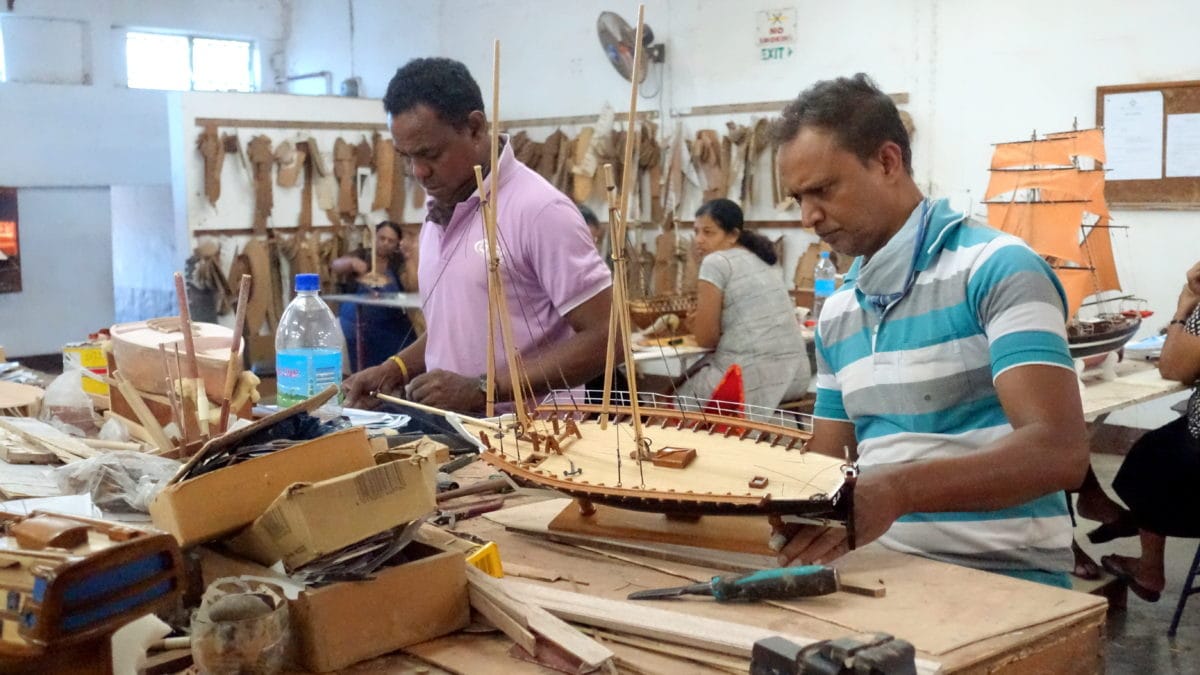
column 829, row 392
column 1021, row 306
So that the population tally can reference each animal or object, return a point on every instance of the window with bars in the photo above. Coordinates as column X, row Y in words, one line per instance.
column 186, row 62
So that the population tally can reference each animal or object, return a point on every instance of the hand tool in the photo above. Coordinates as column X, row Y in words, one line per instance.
column 775, row 584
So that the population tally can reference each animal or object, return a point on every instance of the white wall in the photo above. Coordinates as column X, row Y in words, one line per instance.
column 143, row 252
column 66, row 270
column 382, row 36
column 97, row 135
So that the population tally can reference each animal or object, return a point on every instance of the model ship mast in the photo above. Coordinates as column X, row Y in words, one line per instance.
column 618, row 209
column 497, row 300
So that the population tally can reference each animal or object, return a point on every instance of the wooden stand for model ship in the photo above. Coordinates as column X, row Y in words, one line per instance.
column 665, row 455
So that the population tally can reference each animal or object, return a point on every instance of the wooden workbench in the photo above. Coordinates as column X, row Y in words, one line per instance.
column 1137, row 381
column 966, row 620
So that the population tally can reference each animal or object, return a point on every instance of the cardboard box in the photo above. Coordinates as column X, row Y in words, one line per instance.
column 347, row 622
column 223, row 501
column 88, row 356
column 389, row 448
column 310, row 520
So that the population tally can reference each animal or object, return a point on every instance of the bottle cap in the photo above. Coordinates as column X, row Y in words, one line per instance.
column 308, row 282
column 824, row 254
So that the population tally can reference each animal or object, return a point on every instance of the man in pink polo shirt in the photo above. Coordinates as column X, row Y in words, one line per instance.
column 558, row 288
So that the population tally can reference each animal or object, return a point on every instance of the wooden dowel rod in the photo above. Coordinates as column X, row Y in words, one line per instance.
column 235, row 352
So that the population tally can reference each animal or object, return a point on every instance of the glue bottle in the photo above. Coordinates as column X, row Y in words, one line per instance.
column 824, row 283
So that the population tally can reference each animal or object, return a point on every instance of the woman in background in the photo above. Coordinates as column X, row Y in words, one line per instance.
column 1158, row 478
column 744, row 312
column 385, row 330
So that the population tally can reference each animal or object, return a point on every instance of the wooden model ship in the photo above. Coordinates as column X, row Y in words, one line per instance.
column 69, row 582
column 136, row 352
column 1039, row 193
column 649, row 453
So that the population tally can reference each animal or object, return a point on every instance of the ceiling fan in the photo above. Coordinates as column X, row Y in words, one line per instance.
column 617, row 38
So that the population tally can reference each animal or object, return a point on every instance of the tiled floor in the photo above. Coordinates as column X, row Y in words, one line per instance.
column 1137, row 637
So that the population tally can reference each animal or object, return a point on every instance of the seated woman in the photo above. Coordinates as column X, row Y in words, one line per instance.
column 1158, row 477
column 385, row 330
column 744, row 312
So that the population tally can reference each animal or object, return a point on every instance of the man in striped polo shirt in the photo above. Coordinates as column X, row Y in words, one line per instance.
column 942, row 361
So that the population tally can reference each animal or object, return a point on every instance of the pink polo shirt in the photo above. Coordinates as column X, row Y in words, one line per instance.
column 548, row 264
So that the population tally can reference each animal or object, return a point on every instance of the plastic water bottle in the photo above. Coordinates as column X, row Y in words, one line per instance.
column 824, row 283
column 308, row 347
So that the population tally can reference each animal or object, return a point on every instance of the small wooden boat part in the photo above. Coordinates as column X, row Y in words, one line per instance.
column 135, row 350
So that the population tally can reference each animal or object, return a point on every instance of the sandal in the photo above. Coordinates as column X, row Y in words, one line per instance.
column 1116, row 566
column 1123, row 526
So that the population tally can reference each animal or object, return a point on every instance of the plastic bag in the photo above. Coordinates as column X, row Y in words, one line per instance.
column 67, row 406
column 121, row 481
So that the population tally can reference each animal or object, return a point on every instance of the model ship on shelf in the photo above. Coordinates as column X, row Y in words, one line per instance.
column 647, row 453
column 1039, row 193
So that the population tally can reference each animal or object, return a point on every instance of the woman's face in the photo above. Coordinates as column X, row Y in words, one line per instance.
column 409, row 243
column 386, row 242
column 711, row 238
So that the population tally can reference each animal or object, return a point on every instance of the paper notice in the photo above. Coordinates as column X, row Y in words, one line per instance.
column 1133, row 126
column 1183, row 145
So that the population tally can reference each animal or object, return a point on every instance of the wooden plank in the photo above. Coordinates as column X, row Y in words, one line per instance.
column 691, row 654
column 650, row 622
column 42, row 435
column 16, row 451
column 236, row 123
column 148, row 420
column 506, row 623
column 534, row 618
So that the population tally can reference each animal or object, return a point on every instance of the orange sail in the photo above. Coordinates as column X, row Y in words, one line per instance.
column 1079, row 284
column 1071, row 182
column 1040, row 225
column 1097, row 249
column 1087, row 143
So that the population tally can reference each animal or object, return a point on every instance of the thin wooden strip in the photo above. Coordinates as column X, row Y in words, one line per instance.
column 540, row 621
column 507, row 624
column 695, row 655
column 674, row 627
column 148, row 420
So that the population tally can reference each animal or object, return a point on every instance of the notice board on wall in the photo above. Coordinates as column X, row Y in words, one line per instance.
column 10, row 243
column 1152, row 138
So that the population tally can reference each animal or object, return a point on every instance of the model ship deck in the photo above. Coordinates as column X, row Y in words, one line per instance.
column 739, row 465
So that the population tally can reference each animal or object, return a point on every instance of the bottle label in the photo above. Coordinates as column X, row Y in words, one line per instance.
column 823, row 287
column 303, row 373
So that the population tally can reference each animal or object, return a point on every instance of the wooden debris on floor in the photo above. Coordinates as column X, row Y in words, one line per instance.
column 524, row 623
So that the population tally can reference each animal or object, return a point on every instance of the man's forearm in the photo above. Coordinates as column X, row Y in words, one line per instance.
column 414, row 357
column 1028, row 463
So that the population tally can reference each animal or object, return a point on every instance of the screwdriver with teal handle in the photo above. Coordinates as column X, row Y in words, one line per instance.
column 782, row 583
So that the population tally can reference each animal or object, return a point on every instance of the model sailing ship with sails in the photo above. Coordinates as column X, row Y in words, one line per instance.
column 650, row 453
column 1039, row 193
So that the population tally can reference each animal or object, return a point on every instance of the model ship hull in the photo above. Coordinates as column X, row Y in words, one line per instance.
column 1105, row 335
column 136, row 352
column 731, row 453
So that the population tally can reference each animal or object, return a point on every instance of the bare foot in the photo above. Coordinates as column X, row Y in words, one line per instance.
column 1145, row 582
column 1085, row 567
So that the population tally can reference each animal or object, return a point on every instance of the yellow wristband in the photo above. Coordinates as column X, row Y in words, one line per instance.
column 403, row 367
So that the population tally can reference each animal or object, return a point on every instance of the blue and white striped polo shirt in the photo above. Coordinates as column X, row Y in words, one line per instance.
column 916, row 378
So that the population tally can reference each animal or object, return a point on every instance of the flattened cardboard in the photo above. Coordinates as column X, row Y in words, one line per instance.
column 310, row 520
column 347, row 622
column 223, row 501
